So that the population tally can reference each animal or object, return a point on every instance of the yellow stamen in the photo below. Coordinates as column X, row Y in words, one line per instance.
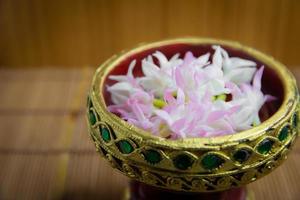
column 221, row 97
column 159, row 103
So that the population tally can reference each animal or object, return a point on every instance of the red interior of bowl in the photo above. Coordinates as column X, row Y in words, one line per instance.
column 271, row 83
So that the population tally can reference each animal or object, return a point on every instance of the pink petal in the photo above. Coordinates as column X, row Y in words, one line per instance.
column 179, row 78
column 177, row 125
column 188, row 58
column 168, row 96
column 207, row 97
column 269, row 98
column 257, row 78
column 213, row 116
column 164, row 115
column 180, row 96
column 198, row 78
column 234, row 109
column 234, row 89
column 245, row 87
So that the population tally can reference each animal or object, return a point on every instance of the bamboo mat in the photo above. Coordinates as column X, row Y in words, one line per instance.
column 46, row 153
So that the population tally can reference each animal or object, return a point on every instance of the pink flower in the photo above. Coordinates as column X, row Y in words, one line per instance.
column 193, row 119
column 190, row 97
column 137, row 109
column 199, row 75
column 250, row 98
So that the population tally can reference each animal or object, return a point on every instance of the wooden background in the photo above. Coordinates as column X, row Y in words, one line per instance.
column 85, row 32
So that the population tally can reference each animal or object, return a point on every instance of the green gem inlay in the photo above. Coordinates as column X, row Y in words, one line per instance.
column 284, row 133
column 265, row 146
column 183, row 161
column 152, row 156
column 92, row 117
column 242, row 155
column 125, row 147
column 295, row 120
column 105, row 134
column 211, row 161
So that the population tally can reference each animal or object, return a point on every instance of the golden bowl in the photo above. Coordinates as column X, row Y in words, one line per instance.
column 195, row 164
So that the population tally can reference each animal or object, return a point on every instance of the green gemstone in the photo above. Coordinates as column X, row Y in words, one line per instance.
column 183, row 161
column 105, row 134
column 295, row 120
column 241, row 155
column 284, row 133
column 92, row 117
column 152, row 156
column 265, row 146
column 211, row 161
column 125, row 147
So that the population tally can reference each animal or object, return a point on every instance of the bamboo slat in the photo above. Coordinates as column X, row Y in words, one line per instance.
column 46, row 153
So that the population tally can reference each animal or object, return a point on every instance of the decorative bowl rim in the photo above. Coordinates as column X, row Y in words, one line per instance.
column 288, row 81
column 194, row 164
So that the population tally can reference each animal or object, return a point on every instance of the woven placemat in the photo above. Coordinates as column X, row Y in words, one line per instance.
column 46, row 153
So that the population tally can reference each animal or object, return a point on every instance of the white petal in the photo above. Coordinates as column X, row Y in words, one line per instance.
column 224, row 53
column 161, row 58
column 213, row 72
column 238, row 62
column 149, row 69
column 217, row 57
column 117, row 98
column 203, row 60
column 121, row 86
column 118, row 78
column 243, row 119
column 149, row 59
column 130, row 69
column 240, row 75
column 175, row 57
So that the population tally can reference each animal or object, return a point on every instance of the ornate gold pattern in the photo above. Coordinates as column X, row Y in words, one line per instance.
column 181, row 165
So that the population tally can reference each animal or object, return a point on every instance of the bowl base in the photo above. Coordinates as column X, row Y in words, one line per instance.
column 140, row 191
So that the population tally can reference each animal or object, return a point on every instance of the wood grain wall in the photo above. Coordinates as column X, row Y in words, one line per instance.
column 86, row 32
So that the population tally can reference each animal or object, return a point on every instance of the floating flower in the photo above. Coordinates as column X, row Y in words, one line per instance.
column 157, row 79
column 201, row 96
column 235, row 69
column 126, row 86
column 251, row 99
column 189, row 118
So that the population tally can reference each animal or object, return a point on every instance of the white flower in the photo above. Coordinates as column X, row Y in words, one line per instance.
column 157, row 79
column 235, row 69
column 250, row 99
column 126, row 86
column 198, row 76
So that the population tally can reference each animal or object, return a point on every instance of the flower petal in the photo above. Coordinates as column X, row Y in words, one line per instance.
column 257, row 78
